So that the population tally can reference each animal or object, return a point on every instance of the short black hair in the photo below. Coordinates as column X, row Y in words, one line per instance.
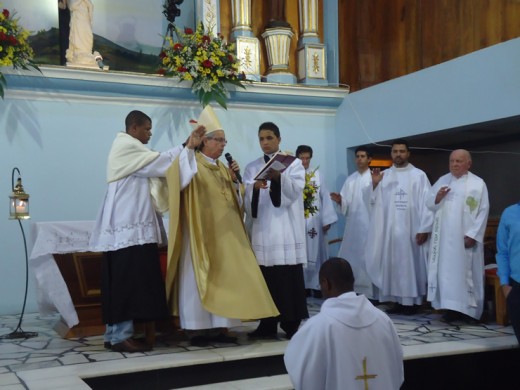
column 339, row 273
column 270, row 126
column 303, row 149
column 136, row 117
column 363, row 149
column 401, row 141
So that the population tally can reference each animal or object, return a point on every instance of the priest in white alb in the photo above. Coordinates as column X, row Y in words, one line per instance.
column 399, row 228
column 349, row 344
column 456, row 262
column 354, row 200
column 317, row 224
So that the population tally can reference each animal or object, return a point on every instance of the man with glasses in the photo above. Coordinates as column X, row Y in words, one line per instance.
column 213, row 280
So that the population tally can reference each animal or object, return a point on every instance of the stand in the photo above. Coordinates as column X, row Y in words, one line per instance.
column 19, row 333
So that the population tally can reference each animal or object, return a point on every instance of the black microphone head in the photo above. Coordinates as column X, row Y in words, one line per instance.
column 228, row 158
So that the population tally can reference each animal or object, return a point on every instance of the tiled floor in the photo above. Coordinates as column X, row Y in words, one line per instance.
column 50, row 362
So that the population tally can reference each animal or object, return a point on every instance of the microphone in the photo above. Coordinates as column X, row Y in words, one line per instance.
column 230, row 161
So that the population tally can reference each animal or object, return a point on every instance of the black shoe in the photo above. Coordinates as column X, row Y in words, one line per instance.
column 410, row 310
column 224, row 339
column 199, row 341
column 260, row 335
column 455, row 316
column 397, row 308
column 107, row 345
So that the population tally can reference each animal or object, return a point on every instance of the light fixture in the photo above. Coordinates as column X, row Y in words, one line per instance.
column 19, row 209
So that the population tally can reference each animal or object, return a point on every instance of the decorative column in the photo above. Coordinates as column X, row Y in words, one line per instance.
column 312, row 58
column 248, row 46
column 277, row 36
column 208, row 12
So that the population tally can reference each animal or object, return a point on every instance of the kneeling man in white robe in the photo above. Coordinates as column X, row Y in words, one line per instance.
column 350, row 344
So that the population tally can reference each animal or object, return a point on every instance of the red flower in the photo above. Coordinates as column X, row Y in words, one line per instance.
column 161, row 71
column 206, row 39
column 12, row 40
column 188, row 30
column 230, row 58
column 182, row 69
column 177, row 47
column 6, row 13
column 3, row 37
column 207, row 64
column 162, row 54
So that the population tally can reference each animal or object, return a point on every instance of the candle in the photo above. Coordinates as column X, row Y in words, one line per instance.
column 21, row 208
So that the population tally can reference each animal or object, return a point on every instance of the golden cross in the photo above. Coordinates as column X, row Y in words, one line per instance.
column 365, row 377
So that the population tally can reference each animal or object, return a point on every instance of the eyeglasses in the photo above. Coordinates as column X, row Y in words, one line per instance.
column 219, row 139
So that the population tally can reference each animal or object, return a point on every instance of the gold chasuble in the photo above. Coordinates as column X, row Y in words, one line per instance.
column 229, row 280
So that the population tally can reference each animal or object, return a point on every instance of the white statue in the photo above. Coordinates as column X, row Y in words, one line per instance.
column 81, row 38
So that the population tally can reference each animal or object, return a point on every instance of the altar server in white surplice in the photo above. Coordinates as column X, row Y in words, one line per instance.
column 318, row 224
column 399, row 228
column 275, row 210
column 456, row 262
column 129, row 229
column 354, row 200
column 349, row 344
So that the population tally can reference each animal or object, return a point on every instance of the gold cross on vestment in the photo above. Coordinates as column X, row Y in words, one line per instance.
column 365, row 377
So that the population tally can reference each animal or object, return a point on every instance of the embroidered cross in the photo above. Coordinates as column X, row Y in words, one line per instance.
column 365, row 377
column 312, row 233
column 401, row 194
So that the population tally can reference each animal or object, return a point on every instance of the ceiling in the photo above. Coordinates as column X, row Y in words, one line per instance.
column 467, row 137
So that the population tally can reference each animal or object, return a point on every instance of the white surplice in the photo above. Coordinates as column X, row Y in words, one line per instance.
column 355, row 205
column 127, row 216
column 317, row 251
column 456, row 274
column 349, row 344
column 396, row 264
column 278, row 234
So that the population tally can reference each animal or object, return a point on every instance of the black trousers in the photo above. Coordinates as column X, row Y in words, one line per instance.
column 513, row 307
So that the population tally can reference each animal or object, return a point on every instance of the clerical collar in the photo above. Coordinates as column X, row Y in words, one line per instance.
column 209, row 159
column 270, row 156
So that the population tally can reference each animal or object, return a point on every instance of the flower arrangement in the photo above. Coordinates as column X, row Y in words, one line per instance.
column 14, row 48
column 208, row 61
column 309, row 194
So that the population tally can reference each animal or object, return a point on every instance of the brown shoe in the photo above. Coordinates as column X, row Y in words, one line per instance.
column 130, row 345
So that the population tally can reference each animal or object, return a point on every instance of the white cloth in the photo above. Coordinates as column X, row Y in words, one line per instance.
column 316, row 238
column 278, row 233
column 355, row 205
column 127, row 216
column 50, row 238
column 456, row 274
column 396, row 264
column 348, row 339
column 191, row 312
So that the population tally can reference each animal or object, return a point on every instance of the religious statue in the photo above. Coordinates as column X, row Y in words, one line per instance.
column 81, row 38
column 277, row 18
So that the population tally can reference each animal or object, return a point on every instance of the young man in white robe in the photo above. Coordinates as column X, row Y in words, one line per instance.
column 128, row 230
column 274, row 208
column 354, row 200
column 316, row 225
column 349, row 344
column 213, row 280
column 456, row 262
column 399, row 228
